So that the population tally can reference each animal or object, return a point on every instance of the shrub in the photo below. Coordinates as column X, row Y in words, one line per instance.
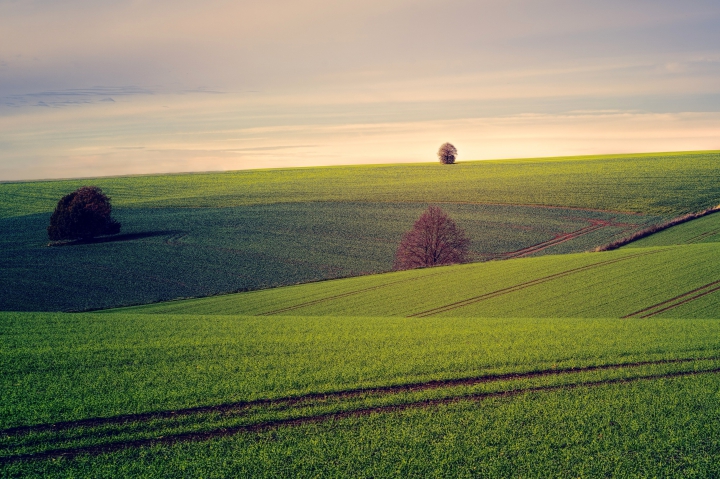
column 83, row 214
column 434, row 240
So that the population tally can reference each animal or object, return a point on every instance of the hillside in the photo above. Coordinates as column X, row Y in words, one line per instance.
column 86, row 394
column 204, row 234
column 615, row 284
column 598, row 364
column 651, row 183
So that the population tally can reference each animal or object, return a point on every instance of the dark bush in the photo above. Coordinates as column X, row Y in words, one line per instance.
column 434, row 240
column 83, row 214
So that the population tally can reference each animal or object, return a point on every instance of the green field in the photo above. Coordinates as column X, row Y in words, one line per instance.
column 658, row 428
column 552, row 365
column 614, row 284
column 166, row 253
column 143, row 387
column 194, row 235
column 700, row 230
column 653, row 183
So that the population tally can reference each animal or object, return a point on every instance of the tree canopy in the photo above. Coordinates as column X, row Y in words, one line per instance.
column 447, row 153
column 434, row 240
column 83, row 214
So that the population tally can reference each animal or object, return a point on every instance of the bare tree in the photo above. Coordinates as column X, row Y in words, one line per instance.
column 434, row 240
column 447, row 154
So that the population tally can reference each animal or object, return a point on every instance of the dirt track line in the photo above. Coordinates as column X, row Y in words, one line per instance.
column 595, row 225
column 562, row 238
column 518, row 287
column 700, row 237
column 332, row 416
column 704, row 293
column 668, row 302
column 347, row 393
column 343, row 295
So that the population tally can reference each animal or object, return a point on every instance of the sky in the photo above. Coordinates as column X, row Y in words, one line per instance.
column 113, row 87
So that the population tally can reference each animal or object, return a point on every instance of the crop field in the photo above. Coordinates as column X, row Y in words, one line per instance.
column 525, row 362
column 166, row 253
column 638, row 282
column 700, row 230
column 655, row 183
column 89, row 394
column 197, row 235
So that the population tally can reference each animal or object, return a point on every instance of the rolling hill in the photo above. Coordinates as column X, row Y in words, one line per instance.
column 205, row 234
column 576, row 364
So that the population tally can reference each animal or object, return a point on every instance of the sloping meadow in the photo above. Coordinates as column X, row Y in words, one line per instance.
column 581, row 364
column 104, row 394
column 629, row 282
column 193, row 235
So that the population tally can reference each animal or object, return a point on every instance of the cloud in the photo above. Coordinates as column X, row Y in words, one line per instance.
column 215, row 82
column 284, row 44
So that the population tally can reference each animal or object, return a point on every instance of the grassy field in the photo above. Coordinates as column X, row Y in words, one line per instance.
column 700, row 230
column 658, row 428
column 204, row 234
column 659, row 184
column 166, row 253
column 572, row 365
column 616, row 284
column 150, row 386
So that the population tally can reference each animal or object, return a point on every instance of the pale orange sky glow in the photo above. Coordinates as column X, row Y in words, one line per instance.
column 127, row 87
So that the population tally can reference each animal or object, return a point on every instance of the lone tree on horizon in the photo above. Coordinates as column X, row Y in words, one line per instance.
column 434, row 240
column 83, row 214
column 447, row 153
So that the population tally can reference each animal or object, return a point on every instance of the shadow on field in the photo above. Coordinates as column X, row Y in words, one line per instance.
column 116, row 238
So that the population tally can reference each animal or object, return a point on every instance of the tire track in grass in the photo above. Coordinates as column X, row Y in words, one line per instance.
column 595, row 225
column 521, row 286
column 700, row 237
column 341, row 394
column 676, row 301
column 561, row 238
column 331, row 416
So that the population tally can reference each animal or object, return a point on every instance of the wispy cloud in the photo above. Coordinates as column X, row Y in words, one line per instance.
column 73, row 96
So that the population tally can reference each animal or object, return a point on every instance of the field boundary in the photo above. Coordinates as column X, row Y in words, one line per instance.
column 657, row 228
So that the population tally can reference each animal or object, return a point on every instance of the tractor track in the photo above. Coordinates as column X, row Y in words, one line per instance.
column 676, row 301
column 346, row 393
column 521, row 286
column 561, row 238
column 331, row 416
column 595, row 225
column 700, row 237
